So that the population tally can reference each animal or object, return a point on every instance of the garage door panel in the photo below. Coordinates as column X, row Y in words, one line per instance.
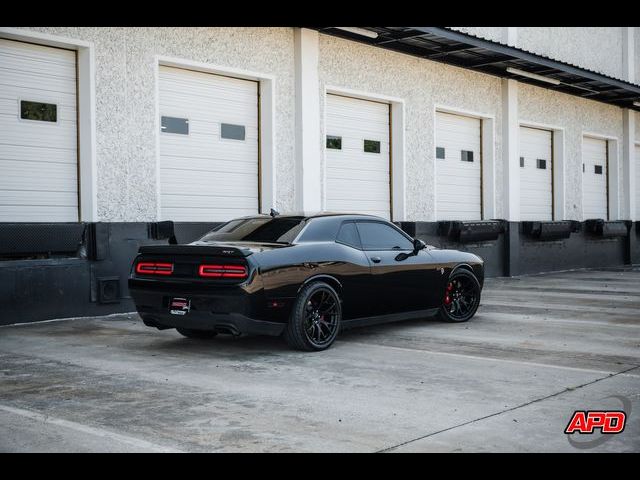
column 358, row 159
column 38, row 198
column 37, row 86
column 354, row 147
column 350, row 174
column 204, row 177
column 450, row 175
column 357, row 181
column 24, row 51
column 356, row 108
column 236, row 100
column 207, row 145
column 344, row 188
column 213, row 129
column 200, row 157
column 453, row 196
column 23, row 153
column 458, row 186
column 186, row 201
column 213, row 113
column 594, row 186
column 356, row 206
column 206, row 165
column 203, row 214
column 353, row 133
column 536, row 184
column 187, row 182
column 53, row 137
column 38, row 176
column 39, row 213
column 38, row 159
column 10, row 110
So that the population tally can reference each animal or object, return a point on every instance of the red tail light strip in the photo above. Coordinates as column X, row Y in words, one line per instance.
column 222, row 271
column 154, row 268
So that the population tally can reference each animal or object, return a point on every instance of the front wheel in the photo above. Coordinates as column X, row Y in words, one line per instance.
column 200, row 334
column 315, row 318
column 461, row 297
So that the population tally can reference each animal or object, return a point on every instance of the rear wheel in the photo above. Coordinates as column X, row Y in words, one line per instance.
column 461, row 297
column 315, row 318
column 201, row 334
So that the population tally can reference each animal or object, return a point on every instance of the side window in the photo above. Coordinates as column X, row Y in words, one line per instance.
column 378, row 236
column 348, row 235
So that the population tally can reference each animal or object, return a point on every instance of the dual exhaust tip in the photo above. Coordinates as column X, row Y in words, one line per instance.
column 224, row 329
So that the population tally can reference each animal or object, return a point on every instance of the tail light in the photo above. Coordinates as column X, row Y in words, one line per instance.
column 223, row 271
column 154, row 268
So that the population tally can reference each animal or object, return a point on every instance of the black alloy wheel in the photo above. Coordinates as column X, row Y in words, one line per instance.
column 315, row 318
column 461, row 297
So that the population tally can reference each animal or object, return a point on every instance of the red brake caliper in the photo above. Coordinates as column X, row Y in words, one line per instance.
column 447, row 298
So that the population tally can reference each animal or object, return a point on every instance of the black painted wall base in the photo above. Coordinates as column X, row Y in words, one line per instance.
column 88, row 278
column 83, row 271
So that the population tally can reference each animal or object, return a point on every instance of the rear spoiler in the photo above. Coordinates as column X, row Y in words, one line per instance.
column 195, row 250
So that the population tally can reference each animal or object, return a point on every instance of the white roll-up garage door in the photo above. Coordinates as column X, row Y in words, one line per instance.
column 357, row 156
column 208, row 146
column 458, row 167
column 536, row 174
column 38, row 134
column 594, row 178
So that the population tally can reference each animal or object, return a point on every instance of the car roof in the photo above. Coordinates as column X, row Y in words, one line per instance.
column 310, row 215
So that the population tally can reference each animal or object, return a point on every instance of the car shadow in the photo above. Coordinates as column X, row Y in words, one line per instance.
column 170, row 341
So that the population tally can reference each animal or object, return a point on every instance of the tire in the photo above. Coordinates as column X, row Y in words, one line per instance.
column 461, row 297
column 315, row 318
column 199, row 334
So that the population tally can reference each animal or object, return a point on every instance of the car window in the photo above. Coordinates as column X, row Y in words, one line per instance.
column 378, row 236
column 348, row 235
column 271, row 230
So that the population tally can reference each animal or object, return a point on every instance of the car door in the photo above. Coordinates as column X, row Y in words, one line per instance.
column 399, row 280
column 354, row 273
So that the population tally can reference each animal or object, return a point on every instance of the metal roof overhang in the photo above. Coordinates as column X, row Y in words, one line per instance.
column 455, row 48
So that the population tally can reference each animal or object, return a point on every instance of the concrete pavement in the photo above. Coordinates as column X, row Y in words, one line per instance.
column 539, row 348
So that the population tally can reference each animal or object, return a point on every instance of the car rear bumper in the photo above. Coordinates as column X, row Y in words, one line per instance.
column 233, row 323
column 228, row 310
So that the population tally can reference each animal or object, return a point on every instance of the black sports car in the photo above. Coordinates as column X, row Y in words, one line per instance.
column 305, row 277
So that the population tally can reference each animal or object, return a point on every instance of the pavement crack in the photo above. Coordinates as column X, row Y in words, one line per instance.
column 522, row 405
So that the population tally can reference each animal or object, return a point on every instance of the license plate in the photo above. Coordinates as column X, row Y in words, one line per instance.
column 179, row 306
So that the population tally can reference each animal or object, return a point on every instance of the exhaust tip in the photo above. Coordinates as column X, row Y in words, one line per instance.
column 228, row 329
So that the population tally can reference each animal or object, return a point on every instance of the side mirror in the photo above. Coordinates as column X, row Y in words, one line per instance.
column 418, row 245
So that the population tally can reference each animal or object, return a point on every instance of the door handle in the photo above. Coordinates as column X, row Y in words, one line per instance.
column 375, row 259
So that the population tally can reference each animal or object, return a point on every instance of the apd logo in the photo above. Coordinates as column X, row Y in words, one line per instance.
column 605, row 422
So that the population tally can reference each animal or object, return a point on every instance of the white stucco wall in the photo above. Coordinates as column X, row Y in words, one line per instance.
column 125, row 102
column 636, row 54
column 577, row 116
column 490, row 33
column 594, row 48
column 421, row 84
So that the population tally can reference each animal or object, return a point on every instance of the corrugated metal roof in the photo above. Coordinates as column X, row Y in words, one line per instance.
column 574, row 65
column 453, row 47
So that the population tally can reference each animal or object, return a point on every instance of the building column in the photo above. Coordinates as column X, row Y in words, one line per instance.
column 307, row 127
column 511, row 175
column 628, row 131
column 510, row 36
column 510, row 151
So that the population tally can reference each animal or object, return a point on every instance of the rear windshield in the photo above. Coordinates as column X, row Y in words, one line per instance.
column 269, row 230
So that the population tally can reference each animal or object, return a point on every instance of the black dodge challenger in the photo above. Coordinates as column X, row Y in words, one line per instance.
column 305, row 277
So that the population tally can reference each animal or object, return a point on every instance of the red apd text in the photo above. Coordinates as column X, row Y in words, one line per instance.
column 604, row 421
